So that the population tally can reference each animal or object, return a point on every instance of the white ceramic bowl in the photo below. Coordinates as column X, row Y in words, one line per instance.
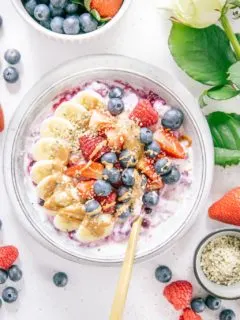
column 64, row 37
column 31, row 112
column 224, row 292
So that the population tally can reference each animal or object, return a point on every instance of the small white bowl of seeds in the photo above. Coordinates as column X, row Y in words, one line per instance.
column 217, row 263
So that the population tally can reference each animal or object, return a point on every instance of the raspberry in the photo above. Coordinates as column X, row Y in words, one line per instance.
column 179, row 294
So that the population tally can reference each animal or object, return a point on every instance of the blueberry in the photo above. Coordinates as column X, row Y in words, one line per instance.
column 172, row 119
column 57, row 24
column 59, row 3
column 87, row 22
column 150, row 198
column 60, row 279
column 163, row 166
column 71, row 8
column 56, row 12
column 9, row 295
column 227, row 314
column 12, row 56
column 112, row 175
column 3, row 276
column 42, row 12
column 163, row 274
column 0, row 303
column 115, row 106
column 10, row 74
column 43, row 1
column 30, row 6
column 152, row 149
column 128, row 177
column 109, row 157
column 123, row 212
column 0, row 224
column 92, row 207
column 124, row 194
column 71, row 25
column 146, row 135
column 172, row 177
column 46, row 24
column 198, row 305
column 116, row 92
column 127, row 159
column 1, row 21
column 212, row 302
column 14, row 273
column 102, row 188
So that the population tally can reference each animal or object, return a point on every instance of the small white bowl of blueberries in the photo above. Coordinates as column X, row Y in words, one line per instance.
column 71, row 19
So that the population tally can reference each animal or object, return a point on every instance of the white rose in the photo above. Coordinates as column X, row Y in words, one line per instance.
column 196, row 13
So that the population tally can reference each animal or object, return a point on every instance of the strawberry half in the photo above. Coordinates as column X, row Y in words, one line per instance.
column 85, row 189
column 1, row 119
column 91, row 170
column 106, row 8
column 179, row 294
column 93, row 147
column 8, row 255
column 189, row 314
column 169, row 144
column 144, row 114
column 108, row 203
column 227, row 209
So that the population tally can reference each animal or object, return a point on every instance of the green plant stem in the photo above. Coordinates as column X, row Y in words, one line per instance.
column 231, row 35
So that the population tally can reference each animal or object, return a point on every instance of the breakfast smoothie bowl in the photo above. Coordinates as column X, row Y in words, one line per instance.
column 95, row 147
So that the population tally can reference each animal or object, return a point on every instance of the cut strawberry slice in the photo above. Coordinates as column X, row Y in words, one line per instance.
column 144, row 114
column 154, row 184
column 115, row 139
column 91, row 170
column 169, row 144
column 145, row 165
column 108, row 203
column 93, row 147
column 85, row 189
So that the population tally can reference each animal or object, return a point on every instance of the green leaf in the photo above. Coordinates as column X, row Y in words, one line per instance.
column 234, row 74
column 222, row 92
column 238, row 36
column 204, row 54
column 225, row 129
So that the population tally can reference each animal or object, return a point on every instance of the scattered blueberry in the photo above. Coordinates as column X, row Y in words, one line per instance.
column 71, row 8
column 198, row 305
column 87, row 22
column 71, row 25
column 42, row 12
column 14, row 273
column 0, row 303
column 57, row 24
column 60, row 279
column 146, row 135
column 30, row 6
column 12, row 56
column 56, row 12
column 115, row 106
column 112, row 175
column 1, row 21
column 123, row 211
column 212, row 302
column 109, row 157
column 9, row 295
column 102, row 188
column 10, row 74
column 124, row 194
column 59, row 3
column 127, row 159
column 92, row 207
column 172, row 119
column 172, row 177
column 46, row 24
column 227, row 314
column 0, row 224
column 152, row 149
column 128, row 177
column 150, row 198
column 163, row 166
column 3, row 276
column 116, row 92
column 163, row 274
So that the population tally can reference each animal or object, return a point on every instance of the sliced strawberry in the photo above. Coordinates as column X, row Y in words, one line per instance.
column 1, row 119
column 100, row 121
column 169, row 143
column 106, row 8
column 144, row 114
column 108, row 203
column 91, row 170
column 154, row 184
column 115, row 139
column 85, row 189
column 93, row 147
column 145, row 165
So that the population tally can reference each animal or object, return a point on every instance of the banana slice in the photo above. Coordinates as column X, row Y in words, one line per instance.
column 75, row 211
column 47, row 186
column 95, row 228
column 51, row 149
column 43, row 168
column 89, row 99
column 57, row 127
column 73, row 112
column 66, row 224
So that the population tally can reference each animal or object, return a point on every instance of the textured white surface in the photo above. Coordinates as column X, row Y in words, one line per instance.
column 142, row 34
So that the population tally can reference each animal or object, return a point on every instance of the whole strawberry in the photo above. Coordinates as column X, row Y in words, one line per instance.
column 8, row 255
column 105, row 8
column 227, row 209
column 188, row 314
column 179, row 294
